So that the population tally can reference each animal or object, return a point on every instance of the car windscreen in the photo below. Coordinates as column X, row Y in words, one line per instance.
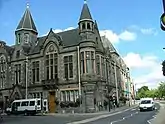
column 146, row 102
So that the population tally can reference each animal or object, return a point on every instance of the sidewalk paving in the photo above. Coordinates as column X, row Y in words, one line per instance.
column 160, row 119
column 92, row 114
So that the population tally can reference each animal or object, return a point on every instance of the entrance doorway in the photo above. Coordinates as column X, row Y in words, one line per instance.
column 52, row 104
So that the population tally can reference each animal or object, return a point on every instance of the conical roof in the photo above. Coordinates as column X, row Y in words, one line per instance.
column 27, row 22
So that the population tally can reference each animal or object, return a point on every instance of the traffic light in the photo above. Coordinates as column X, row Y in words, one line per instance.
column 162, row 22
column 163, row 68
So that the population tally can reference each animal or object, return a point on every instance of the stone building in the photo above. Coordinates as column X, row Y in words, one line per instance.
column 56, row 65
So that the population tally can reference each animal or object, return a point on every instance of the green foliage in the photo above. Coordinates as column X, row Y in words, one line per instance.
column 145, row 92
column 161, row 90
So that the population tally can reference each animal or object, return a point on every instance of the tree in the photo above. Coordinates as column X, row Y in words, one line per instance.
column 158, row 92
column 145, row 92
column 161, row 89
column 143, row 88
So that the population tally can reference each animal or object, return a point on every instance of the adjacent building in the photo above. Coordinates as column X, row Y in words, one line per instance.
column 61, row 67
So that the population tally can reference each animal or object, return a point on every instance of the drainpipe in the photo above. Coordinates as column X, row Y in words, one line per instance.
column 26, row 77
column 117, row 94
column 79, row 74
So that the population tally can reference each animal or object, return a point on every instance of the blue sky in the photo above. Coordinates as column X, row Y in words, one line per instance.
column 131, row 25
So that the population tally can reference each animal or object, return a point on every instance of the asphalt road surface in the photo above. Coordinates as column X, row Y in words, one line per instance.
column 20, row 119
column 132, row 116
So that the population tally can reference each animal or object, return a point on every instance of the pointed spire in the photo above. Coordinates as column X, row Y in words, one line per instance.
column 85, row 13
column 27, row 6
column 27, row 22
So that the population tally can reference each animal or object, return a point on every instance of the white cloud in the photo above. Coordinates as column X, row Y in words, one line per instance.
column 61, row 30
column 134, row 60
column 148, row 31
column 145, row 31
column 115, row 38
column 148, row 62
column 127, row 36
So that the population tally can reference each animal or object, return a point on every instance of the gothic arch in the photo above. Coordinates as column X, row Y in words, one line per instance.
column 51, row 47
column 3, row 57
column 51, row 61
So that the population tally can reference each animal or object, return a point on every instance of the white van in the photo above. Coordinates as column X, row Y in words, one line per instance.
column 146, row 104
column 25, row 106
column 45, row 105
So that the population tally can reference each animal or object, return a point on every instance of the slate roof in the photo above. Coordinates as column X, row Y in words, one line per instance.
column 108, row 44
column 85, row 13
column 27, row 22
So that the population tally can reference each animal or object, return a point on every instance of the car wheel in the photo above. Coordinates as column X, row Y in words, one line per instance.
column 25, row 112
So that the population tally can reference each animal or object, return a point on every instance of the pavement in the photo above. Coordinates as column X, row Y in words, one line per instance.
column 159, row 118
column 91, row 114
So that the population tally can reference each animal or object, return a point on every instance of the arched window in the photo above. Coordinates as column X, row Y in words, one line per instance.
column 51, row 63
column 2, row 71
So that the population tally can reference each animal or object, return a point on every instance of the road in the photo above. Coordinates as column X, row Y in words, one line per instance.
column 132, row 116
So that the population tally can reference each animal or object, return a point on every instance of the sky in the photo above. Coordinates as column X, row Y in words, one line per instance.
column 133, row 27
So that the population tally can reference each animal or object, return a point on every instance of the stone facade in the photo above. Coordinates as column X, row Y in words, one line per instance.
column 50, row 63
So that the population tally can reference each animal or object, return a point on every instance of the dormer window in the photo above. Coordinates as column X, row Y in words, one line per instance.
column 26, row 37
column 88, row 26
column 19, row 38
column 83, row 26
column 18, row 54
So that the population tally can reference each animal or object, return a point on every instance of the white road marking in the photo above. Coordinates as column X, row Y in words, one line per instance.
column 116, row 121
column 133, row 109
column 148, row 122
column 99, row 117
column 124, row 118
